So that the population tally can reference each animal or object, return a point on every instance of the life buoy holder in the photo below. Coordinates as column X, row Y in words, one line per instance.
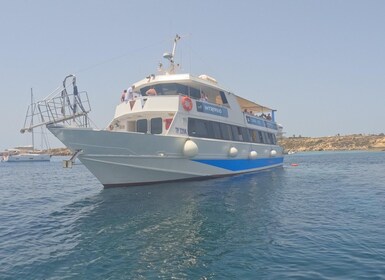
column 187, row 103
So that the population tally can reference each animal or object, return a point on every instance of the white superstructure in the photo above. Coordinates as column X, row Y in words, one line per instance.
column 175, row 127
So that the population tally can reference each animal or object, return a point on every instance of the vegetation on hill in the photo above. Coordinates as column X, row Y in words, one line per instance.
column 334, row 143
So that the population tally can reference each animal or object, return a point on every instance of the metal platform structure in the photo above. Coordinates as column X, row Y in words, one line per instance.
column 70, row 109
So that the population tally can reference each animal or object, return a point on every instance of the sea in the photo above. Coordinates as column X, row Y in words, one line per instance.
column 321, row 216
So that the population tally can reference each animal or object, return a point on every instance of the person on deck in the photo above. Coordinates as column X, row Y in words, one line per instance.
column 123, row 96
column 203, row 96
column 151, row 92
column 130, row 93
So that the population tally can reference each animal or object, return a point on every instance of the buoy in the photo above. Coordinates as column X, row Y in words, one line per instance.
column 294, row 164
column 253, row 155
column 273, row 153
column 187, row 103
column 190, row 148
column 233, row 152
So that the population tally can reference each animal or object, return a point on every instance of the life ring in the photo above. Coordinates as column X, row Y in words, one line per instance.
column 187, row 103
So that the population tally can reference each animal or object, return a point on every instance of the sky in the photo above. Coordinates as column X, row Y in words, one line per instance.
column 319, row 63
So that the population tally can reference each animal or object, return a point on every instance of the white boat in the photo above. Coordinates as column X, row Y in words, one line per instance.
column 26, row 153
column 23, row 155
column 186, row 128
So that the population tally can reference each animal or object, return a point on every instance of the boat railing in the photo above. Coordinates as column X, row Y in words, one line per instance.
column 260, row 121
column 59, row 107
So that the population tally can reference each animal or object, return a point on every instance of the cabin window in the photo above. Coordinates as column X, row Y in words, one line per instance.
column 226, row 131
column 264, row 137
column 235, row 135
column 223, row 97
column 195, row 93
column 216, row 130
column 261, row 139
column 197, row 128
column 253, row 135
column 141, row 125
column 272, row 139
column 156, row 125
column 167, row 89
column 245, row 134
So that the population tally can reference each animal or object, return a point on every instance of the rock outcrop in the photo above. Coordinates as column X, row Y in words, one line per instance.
column 334, row 143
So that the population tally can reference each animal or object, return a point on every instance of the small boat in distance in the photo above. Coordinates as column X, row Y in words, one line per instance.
column 26, row 153
column 23, row 154
column 167, row 127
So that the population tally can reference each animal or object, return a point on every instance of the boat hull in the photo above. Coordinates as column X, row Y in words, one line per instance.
column 27, row 158
column 128, row 158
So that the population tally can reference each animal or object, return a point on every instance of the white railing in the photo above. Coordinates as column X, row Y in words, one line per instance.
column 59, row 107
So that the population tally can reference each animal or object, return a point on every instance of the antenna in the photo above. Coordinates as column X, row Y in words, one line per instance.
column 33, row 135
column 170, row 56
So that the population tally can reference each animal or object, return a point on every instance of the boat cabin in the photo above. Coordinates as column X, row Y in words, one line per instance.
column 182, row 104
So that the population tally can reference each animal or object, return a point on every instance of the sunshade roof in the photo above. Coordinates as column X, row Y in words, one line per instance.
column 251, row 106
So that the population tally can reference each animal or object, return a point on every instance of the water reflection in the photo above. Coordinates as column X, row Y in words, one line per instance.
column 176, row 230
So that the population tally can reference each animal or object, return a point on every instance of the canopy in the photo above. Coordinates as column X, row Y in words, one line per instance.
column 251, row 106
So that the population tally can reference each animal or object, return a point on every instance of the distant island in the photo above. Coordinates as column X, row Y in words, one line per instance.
column 334, row 143
column 305, row 144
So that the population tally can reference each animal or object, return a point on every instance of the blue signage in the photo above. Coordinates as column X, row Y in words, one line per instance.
column 259, row 122
column 211, row 109
column 255, row 121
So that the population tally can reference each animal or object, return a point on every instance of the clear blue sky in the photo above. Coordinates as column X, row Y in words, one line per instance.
column 321, row 64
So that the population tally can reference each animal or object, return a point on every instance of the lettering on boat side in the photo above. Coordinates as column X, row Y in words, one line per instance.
column 211, row 109
column 255, row 121
column 180, row 130
column 259, row 122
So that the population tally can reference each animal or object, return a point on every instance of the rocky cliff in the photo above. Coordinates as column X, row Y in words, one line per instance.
column 334, row 143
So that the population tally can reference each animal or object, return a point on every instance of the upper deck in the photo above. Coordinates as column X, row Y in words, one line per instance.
column 164, row 96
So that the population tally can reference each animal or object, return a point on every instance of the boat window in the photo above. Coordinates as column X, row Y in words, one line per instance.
column 245, row 134
column 235, row 135
column 271, row 138
column 141, row 125
column 209, row 129
column 225, row 130
column 195, row 93
column 253, row 134
column 223, row 97
column 261, row 139
column 196, row 128
column 264, row 137
column 216, row 130
column 167, row 89
column 274, row 139
column 156, row 126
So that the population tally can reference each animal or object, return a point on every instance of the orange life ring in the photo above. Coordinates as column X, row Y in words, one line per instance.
column 187, row 103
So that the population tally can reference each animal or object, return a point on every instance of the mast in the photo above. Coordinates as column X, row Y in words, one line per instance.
column 33, row 135
column 170, row 57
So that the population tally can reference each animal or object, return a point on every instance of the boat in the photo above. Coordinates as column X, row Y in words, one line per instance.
column 23, row 154
column 173, row 127
column 26, row 153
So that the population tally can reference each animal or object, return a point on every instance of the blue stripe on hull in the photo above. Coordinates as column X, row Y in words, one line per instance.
column 242, row 164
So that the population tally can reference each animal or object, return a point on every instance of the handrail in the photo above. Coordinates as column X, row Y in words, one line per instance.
column 59, row 107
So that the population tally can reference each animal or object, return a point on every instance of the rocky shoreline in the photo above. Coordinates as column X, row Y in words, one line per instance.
column 305, row 144
column 334, row 143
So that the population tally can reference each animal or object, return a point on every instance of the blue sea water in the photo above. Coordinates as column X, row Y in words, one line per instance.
column 322, row 219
